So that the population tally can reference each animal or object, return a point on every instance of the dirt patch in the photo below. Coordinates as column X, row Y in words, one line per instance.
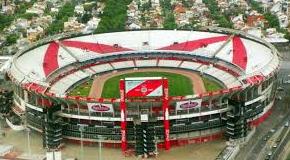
column 99, row 81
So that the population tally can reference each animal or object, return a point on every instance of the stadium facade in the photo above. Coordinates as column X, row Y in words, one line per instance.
column 244, row 65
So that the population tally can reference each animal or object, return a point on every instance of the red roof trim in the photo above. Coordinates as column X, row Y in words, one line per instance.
column 94, row 47
column 195, row 44
column 50, row 62
column 239, row 53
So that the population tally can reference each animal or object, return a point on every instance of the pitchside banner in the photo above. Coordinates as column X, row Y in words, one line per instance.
column 100, row 107
column 144, row 87
column 190, row 104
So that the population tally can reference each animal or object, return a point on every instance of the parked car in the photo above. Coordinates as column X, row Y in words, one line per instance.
column 279, row 98
column 287, row 82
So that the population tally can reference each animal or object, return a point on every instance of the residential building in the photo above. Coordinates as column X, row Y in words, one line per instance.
column 33, row 34
column 72, row 25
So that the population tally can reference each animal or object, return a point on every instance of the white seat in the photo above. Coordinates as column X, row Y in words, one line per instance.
column 190, row 65
column 169, row 63
column 102, row 68
column 123, row 64
column 66, row 82
column 90, row 71
column 146, row 63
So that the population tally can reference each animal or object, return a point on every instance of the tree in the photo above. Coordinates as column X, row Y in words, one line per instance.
column 86, row 17
column 5, row 20
column 284, row 31
column 11, row 39
column 216, row 14
column 67, row 10
column 150, row 3
column 88, row 7
column 114, row 16
column 169, row 22
column 28, row 16
column 234, row 10
column 22, row 7
column 223, row 22
column 272, row 20
column 256, row 6
column 186, row 3
column 143, row 20
column 169, row 19
column 55, row 27
column 287, row 35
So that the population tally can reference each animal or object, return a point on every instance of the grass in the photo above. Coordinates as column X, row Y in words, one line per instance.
column 179, row 85
column 211, row 85
column 82, row 90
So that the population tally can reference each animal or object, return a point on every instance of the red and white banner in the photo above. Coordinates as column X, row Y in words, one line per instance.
column 123, row 115
column 165, row 108
column 144, row 87
column 190, row 104
column 100, row 107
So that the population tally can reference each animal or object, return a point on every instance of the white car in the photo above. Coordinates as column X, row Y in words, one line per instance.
column 279, row 97
column 288, row 81
column 286, row 124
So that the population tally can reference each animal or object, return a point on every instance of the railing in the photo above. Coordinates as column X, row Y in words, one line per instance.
column 91, row 136
column 14, row 126
column 115, row 134
column 196, row 126
column 173, row 114
column 101, row 130
column 34, row 121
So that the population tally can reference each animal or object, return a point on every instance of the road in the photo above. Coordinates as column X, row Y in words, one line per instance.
column 281, row 145
column 276, row 144
column 254, row 148
column 281, row 110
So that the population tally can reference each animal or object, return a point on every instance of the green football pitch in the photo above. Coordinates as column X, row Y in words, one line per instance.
column 179, row 85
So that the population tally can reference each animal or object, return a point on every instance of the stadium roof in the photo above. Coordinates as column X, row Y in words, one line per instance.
column 249, row 55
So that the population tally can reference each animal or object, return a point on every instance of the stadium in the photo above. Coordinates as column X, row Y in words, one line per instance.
column 199, row 86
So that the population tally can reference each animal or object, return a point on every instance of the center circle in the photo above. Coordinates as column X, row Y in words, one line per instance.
column 144, row 89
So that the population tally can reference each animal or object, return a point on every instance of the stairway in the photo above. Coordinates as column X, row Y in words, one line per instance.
column 145, row 139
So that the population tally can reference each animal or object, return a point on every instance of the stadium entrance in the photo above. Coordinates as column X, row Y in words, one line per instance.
column 145, row 133
column 145, row 140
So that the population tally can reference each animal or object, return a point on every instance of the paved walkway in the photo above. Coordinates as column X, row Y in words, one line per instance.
column 205, row 151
